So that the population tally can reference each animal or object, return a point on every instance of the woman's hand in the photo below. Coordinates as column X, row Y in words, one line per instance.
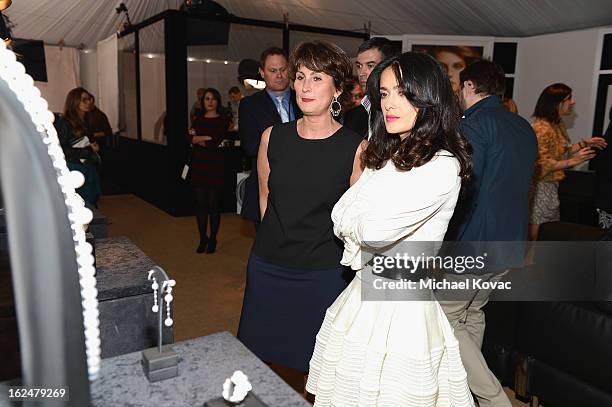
column 596, row 142
column 95, row 147
column 584, row 154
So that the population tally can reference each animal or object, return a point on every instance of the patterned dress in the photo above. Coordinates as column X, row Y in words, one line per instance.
column 553, row 146
column 207, row 163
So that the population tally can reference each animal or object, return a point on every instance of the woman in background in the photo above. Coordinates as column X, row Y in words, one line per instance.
column 78, row 143
column 556, row 153
column 207, row 170
column 510, row 105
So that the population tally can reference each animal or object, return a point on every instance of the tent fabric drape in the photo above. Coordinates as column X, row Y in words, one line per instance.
column 89, row 21
column 108, row 80
column 62, row 76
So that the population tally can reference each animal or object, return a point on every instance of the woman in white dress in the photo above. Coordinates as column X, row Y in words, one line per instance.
column 396, row 353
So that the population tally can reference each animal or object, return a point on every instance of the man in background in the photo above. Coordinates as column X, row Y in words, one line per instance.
column 98, row 124
column 235, row 95
column 272, row 105
column 197, row 108
column 369, row 54
column 495, row 209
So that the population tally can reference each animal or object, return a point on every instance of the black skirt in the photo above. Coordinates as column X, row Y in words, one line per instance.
column 283, row 310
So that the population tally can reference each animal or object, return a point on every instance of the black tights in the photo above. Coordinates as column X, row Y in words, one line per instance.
column 208, row 204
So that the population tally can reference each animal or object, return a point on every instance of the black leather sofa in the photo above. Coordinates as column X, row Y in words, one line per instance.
column 556, row 354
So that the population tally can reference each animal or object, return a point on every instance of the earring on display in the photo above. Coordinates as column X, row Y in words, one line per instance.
column 154, row 286
column 335, row 110
column 168, row 299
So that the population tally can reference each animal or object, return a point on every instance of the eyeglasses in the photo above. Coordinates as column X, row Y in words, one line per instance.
column 86, row 99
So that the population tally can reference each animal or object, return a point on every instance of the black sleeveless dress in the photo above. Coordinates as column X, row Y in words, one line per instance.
column 294, row 272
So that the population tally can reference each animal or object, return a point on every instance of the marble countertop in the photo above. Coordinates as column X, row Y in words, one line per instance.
column 121, row 268
column 204, row 364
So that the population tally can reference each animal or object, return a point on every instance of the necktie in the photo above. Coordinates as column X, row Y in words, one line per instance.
column 281, row 109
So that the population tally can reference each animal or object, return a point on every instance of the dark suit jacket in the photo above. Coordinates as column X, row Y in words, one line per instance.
column 257, row 112
column 495, row 205
column 356, row 119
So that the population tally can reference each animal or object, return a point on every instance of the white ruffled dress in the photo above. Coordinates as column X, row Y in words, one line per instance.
column 390, row 353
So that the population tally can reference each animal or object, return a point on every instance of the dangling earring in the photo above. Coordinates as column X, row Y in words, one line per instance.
column 154, row 286
column 335, row 110
column 168, row 299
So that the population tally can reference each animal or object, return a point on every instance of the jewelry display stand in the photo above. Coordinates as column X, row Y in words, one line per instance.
column 161, row 362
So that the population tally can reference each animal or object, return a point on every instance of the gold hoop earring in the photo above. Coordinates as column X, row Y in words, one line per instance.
column 335, row 110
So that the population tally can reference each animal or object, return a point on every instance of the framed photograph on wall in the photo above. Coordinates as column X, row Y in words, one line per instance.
column 453, row 52
column 603, row 104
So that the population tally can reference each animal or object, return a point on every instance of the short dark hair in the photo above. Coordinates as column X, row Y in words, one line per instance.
column 346, row 98
column 547, row 106
column 322, row 56
column 216, row 95
column 233, row 89
column 384, row 45
column 488, row 77
column 269, row 52
column 425, row 85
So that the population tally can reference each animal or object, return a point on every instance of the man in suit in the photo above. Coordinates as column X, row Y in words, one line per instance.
column 274, row 104
column 495, row 209
column 369, row 54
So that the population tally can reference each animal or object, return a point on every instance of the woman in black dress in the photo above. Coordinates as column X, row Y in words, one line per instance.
column 208, row 130
column 294, row 272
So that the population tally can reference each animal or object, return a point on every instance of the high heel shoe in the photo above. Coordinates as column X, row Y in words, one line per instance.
column 202, row 246
column 212, row 246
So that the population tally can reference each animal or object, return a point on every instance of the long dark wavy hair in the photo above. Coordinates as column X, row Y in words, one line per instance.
column 71, row 111
column 426, row 86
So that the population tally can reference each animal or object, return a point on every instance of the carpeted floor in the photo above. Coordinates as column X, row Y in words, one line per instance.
column 208, row 294
column 209, row 290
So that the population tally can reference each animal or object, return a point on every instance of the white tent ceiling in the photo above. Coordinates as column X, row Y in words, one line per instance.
column 87, row 21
